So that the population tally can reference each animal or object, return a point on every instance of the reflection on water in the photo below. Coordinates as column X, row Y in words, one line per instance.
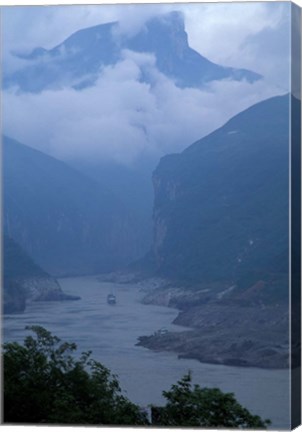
column 111, row 332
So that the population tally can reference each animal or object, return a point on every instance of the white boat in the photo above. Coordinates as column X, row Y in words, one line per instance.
column 111, row 299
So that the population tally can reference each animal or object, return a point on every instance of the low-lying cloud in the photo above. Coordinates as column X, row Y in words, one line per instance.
column 226, row 33
column 122, row 117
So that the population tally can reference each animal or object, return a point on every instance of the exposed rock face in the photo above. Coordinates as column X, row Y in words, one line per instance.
column 44, row 289
column 159, row 238
column 228, row 348
column 13, row 297
column 25, row 281
column 221, row 236
column 221, row 329
column 221, row 206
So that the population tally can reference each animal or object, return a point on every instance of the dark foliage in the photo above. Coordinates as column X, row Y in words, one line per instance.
column 45, row 383
column 203, row 407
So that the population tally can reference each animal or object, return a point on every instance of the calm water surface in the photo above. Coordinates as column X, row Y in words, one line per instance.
column 111, row 332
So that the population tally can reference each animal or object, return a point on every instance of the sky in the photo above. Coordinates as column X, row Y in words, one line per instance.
column 253, row 35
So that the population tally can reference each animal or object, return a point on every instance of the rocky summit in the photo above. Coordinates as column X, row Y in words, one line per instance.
column 80, row 58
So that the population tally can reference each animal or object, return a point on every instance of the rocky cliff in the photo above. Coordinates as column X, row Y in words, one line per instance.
column 221, row 238
column 67, row 222
column 221, row 206
column 24, row 281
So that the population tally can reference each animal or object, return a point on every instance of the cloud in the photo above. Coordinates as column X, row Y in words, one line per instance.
column 133, row 17
column 28, row 27
column 122, row 117
column 253, row 35
column 225, row 33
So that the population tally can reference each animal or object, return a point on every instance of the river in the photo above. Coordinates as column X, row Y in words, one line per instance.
column 111, row 332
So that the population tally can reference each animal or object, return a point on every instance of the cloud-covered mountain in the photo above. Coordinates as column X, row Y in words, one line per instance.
column 68, row 223
column 116, row 101
column 221, row 206
column 79, row 59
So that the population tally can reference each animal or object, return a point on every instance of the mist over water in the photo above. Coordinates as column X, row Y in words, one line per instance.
column 111, row 332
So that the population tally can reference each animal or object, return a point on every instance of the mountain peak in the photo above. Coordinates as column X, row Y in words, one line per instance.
column 165, row 36
column 78, row 60
column 174, row 19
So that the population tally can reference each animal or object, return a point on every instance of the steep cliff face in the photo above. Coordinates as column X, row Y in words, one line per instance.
column 221, row 206
column 68, row 223
column 221, row 239
column 167, row 191
column 24, row 281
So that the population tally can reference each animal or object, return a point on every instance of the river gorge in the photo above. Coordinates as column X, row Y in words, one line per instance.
column 112, row 332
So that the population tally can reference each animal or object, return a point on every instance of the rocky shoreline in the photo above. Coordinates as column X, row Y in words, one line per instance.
column 224, row 341
column 224, row 330
column 224, row 326
column 33, row 289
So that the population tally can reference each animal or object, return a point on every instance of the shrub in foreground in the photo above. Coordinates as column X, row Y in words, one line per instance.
column 193, row 406
column 45, row 383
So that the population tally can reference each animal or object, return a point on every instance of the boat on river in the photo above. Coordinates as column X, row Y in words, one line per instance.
column 111, row 299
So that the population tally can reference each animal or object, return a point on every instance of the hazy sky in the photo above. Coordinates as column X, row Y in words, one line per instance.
column 246, row 35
